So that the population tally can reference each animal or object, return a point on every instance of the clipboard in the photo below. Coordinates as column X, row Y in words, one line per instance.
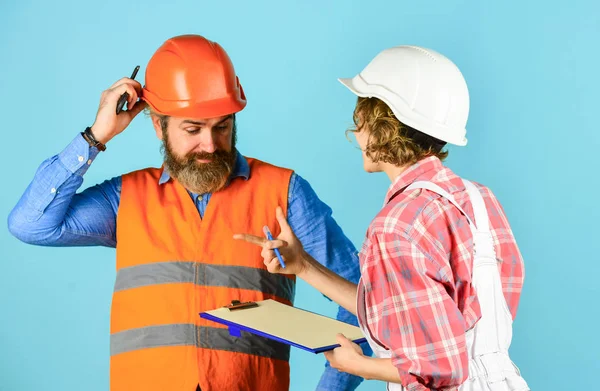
column 283, row 323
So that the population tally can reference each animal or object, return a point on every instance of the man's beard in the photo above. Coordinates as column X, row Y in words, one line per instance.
column 198, row 177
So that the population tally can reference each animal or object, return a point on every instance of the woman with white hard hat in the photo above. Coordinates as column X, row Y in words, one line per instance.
column 441, row 271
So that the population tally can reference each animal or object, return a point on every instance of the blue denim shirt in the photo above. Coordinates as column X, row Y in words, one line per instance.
column 51, row 213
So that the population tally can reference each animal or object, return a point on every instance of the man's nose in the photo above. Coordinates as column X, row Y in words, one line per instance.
column 207, row 142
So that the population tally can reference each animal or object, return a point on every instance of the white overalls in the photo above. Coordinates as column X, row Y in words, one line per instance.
column 490, row 368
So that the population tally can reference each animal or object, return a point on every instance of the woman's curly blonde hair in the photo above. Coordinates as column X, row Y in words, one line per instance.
column 391, row 141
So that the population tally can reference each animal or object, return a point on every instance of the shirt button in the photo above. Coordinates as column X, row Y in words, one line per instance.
column 80, row 158
column 89, row 162
column 53, row 190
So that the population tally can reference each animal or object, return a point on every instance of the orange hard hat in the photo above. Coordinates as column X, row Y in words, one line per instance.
column 190, row 76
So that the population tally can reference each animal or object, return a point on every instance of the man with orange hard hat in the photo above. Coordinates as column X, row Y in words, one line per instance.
column 173, row 228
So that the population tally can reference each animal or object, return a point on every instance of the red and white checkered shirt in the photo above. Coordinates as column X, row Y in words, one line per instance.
column 416, row 265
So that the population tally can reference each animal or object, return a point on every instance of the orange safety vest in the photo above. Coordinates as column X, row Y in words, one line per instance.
column 172, row 264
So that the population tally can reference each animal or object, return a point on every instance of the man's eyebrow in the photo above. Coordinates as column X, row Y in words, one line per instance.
column 201, row 123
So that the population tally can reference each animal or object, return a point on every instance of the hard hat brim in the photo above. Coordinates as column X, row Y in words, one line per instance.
column 186, row 109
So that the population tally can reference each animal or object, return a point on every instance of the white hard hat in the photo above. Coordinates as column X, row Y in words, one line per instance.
column 424, row 89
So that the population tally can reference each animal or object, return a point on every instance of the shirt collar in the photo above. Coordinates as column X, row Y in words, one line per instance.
column 241, row 169
column 424, row 169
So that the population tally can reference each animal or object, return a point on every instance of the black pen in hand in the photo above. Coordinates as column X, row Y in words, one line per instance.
column 123, row 98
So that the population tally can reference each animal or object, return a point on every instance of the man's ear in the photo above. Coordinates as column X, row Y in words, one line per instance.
column 157, row 127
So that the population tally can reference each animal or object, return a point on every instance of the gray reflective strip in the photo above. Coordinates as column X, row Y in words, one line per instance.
column 202, row 337
column 152, row 337
column 246, row 278
column 154, row 273
column 220, row 339
column 239, row 277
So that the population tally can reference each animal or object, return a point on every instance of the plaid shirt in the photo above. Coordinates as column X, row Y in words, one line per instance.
column 416, row 265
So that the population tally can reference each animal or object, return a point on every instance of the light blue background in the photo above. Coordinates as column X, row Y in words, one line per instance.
column 532, row 70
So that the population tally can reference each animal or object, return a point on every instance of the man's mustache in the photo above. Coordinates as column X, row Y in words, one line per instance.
column 215, row 156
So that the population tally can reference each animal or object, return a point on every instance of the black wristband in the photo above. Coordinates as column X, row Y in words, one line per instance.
column 89, row 137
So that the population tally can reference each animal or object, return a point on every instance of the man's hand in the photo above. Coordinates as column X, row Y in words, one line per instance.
column 108, row 124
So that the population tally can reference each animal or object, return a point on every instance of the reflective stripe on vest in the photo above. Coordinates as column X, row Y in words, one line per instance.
column 205, row 274
column 198, row 336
